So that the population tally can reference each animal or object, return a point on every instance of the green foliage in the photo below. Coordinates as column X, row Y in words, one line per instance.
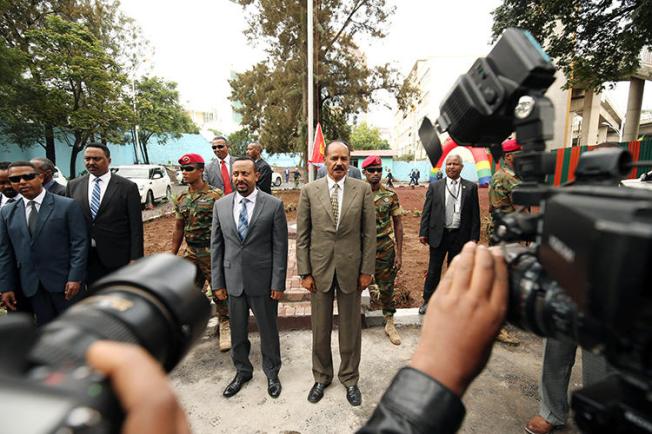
column 364, row 137
column 592, row 41
column 81, row 82
column 159, row 113
column 273, row 94
column 238, row 142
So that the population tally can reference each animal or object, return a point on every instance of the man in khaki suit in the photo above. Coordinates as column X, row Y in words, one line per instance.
column 336, row 257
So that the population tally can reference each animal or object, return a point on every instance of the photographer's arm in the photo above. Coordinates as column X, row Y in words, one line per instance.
column 462, row 320
column 142, row 387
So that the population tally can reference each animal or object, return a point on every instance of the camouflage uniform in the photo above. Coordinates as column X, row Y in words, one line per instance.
column 195, row 208
column 500, row 193
column 387, row 206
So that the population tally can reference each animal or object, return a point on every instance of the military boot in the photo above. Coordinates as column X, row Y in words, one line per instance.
column 390, row 330
column 225, row 335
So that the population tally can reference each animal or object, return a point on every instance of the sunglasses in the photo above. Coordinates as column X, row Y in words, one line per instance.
column 219, row 146
column 375, row 170
column 188, row 168
column 25, row 177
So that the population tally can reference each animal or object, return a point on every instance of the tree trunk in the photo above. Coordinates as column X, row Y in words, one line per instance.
column 74, row 151
column 50, row 149
column 143, row 144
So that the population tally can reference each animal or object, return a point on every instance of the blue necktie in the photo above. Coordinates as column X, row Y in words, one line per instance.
column 95, row 198
column 243, row 224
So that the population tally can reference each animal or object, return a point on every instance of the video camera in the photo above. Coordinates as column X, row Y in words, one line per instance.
column 45, row 384
column 587, row 275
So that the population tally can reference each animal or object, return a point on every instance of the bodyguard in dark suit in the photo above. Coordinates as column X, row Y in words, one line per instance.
column 43, row 246
column 249, row 248
column 450, row 218
column 111, row 207
column 254, row 151
column 47, row 169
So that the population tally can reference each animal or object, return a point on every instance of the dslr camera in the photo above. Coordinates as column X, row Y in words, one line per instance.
column 585, row 274
column 45, row 384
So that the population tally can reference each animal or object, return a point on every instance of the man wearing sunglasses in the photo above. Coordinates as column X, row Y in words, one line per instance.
column 389, row 251
column 193, row 210
column 218, row 171
column 43, row 246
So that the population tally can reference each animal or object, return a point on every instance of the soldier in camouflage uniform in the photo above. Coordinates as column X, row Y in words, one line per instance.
column 388, row 251
column 503, row 181
column 194, row 217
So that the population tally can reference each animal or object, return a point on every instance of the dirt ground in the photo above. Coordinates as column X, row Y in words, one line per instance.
column 409, row 282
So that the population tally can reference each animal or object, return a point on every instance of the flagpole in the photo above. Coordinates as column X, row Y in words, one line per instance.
column 309, row 60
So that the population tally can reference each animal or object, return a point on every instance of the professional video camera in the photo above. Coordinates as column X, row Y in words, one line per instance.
column 45, row 384
column 587, row 275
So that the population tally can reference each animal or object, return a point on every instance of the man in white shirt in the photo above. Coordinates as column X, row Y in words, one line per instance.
column 218, row 171
column 111, row 206
column 43, row 246
column 7, row 193
column 450, row 218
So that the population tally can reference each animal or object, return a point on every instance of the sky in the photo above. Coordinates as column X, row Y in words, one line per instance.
column 200, row 43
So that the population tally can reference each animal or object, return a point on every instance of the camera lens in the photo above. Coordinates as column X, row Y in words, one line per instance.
column 153, row 303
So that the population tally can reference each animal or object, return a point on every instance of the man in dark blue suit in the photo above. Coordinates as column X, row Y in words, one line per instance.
column 43, row 246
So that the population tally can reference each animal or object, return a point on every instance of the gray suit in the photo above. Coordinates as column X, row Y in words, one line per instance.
column 213, row 174
column 249, row 269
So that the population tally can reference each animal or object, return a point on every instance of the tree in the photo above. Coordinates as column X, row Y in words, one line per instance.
column 28, row 113
column 364, row 137
column 159, row 113
column 81, row 82
column 238, row 142
column 592, row 41
column 273, row 95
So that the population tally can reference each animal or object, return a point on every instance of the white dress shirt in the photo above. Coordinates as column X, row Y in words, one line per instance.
column 237, row 205
column 103, row 185
column 454, row 198
column 38, row 200
column 340, row 195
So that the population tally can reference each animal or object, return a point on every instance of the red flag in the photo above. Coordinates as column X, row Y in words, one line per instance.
column 318, row 147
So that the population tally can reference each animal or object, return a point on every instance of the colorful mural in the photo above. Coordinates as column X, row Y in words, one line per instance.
column 475, row 160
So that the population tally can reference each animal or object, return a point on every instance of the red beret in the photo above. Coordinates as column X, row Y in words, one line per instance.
column 372, row 160
column 191, row 158
column 510, row 145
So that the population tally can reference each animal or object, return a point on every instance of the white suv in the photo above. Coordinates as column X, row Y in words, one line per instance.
column 152, row 180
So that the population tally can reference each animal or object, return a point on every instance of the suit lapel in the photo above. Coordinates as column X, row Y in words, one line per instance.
column 325, row 198
column 463, row 192
column 84, row 196
column 442, row 194
column 257, row 210
column 230, row 204
column 110, row 191
column 44, row 213
column 350, row 192
column 19, row 214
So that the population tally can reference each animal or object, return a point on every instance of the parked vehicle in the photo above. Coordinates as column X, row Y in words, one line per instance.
column 153, row 181
column 643, row 181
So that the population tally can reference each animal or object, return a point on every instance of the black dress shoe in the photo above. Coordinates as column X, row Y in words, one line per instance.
column 274, row 387
column 423, row 308
column 353, row 395
column 317, row 392
column 235, row 385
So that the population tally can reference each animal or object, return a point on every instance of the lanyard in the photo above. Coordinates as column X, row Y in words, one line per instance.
column 451, row 193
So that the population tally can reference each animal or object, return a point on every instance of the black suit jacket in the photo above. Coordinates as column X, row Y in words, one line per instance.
column 265, row 180
column 433, row 218
column 118, row 225
column 57, row 188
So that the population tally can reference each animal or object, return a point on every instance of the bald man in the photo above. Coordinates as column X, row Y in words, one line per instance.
column 255, row 151
column 450, row 218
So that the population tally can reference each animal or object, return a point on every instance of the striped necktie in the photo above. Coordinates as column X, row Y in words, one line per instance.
column 335, row 203
column 95, row 198
column 243, row 222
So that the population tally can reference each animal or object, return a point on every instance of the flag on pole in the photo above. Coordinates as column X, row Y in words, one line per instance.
column 318, row 147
